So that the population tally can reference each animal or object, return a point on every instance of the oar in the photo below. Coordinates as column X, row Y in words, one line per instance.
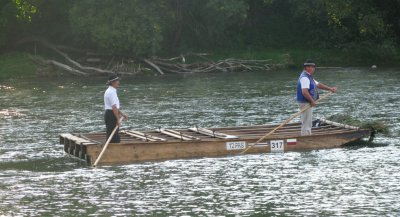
column 105, row 146
column 305, row 108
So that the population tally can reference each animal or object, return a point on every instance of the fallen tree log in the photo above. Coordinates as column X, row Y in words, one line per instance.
column 76, row 67
column 154, row 66
column 66, row 68
column 59, row 65
column 75, row 63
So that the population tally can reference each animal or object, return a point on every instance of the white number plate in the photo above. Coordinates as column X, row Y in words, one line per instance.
column 277, row 146
column 235, row 145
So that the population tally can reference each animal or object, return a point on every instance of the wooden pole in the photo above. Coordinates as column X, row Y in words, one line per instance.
column 305, row 108
column 106, row 145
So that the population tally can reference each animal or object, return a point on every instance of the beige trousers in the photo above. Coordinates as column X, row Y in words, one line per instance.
column 306, row 120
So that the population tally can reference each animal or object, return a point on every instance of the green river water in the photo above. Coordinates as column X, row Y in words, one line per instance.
column 38, row 179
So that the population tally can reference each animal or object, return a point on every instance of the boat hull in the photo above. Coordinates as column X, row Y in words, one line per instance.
column 133, row 152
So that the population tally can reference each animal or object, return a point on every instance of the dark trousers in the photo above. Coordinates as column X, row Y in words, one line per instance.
column 111, row 122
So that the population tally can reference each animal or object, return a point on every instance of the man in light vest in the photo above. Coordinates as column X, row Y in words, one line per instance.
column 307, row 93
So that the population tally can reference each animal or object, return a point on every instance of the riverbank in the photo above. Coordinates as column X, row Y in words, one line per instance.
column 16, row 65
column 294, row 57
column 19, row 64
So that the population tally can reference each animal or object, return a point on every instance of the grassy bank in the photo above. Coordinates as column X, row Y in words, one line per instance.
column 15, row 65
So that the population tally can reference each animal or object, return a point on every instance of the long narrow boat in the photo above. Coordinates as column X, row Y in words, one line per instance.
column 195, row 142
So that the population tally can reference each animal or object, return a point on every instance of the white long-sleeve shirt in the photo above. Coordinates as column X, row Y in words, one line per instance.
column 111, row 98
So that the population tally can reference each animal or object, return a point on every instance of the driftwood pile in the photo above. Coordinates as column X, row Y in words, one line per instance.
column 227, row 65
column 89, row 63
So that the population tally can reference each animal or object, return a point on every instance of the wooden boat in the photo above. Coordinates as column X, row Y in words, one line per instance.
column 195, row 142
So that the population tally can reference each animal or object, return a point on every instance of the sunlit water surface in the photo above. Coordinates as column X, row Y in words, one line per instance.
column 37, row 178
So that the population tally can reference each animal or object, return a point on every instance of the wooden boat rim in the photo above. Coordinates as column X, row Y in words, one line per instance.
column 330, row 128
column 230, row 140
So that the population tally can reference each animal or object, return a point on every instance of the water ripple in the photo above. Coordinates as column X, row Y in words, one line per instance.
column 36, row 179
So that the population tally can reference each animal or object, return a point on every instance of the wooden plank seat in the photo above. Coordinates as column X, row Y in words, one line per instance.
column 177, row 134
column 143, row 136
column 212, row 133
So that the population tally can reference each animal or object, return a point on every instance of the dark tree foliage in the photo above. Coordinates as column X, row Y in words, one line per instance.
column 208, row 23
column 151, row 27
column 124, row 26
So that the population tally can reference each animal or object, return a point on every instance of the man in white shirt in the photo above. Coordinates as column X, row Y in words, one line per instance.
column 307, row 93
column 112, row 108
